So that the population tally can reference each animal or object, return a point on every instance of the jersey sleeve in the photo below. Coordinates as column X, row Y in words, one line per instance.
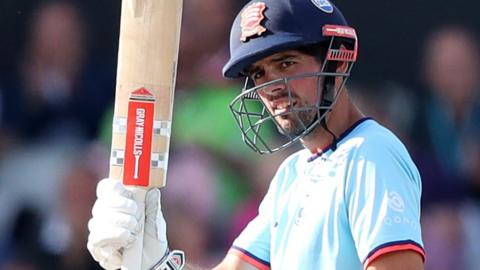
column 253, row 243
column 383, row 190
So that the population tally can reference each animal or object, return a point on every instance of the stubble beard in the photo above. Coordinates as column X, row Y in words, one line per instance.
column 295, row 123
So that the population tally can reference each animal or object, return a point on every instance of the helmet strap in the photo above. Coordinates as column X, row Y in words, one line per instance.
column 323, row 123
column 327, row 101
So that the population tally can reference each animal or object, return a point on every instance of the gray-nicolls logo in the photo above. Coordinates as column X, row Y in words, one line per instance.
column 139, row 134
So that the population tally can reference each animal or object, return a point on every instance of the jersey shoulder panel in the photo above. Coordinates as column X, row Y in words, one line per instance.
column 382, row 191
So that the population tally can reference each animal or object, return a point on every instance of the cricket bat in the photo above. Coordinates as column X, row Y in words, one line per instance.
column 146, row 72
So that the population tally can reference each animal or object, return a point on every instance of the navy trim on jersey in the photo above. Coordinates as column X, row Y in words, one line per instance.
column 394, row 243
column 341, row 137
column 251, row 255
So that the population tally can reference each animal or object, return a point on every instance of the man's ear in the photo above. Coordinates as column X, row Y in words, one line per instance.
column 342, row 65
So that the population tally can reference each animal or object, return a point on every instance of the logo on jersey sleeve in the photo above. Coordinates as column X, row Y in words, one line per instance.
column 395, row 201
column 252, row 16
column 323, row 5
column 399, row 215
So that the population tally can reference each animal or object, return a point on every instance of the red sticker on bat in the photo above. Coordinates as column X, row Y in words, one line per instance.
column 138, row 148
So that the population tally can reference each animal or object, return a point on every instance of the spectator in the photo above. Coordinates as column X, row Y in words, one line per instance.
column 203, row 50
column 55, row 90
column 450, row 121
column 55, row 237
column 448, row 148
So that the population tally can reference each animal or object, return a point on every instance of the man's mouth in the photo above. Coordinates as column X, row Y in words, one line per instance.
column 282, row 106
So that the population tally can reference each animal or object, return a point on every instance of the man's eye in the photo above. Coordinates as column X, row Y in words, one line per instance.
column 286, row 64
column 256, row 75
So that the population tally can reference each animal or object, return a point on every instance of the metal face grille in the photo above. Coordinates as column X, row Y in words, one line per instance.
column 260, row 127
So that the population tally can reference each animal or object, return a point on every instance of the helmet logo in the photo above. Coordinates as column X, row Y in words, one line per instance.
column 323, row 5
column 252, row 16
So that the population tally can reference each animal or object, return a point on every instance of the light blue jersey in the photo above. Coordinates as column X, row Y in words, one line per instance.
column 339, row 210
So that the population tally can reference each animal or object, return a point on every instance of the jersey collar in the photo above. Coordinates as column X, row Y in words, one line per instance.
column 340, row 138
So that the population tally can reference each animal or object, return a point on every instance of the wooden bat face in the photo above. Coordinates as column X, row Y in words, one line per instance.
column 148, row 50
column 147, row 60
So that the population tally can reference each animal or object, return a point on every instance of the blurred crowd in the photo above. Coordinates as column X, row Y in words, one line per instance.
column 56, row 100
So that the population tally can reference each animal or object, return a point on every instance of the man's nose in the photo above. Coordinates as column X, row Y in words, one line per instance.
column 273, row 89
column 270, row 91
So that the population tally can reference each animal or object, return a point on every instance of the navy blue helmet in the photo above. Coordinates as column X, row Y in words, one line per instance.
column 286, row 24
column 265, row 27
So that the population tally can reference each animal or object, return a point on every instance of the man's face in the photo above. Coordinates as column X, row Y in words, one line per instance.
column 304, row 92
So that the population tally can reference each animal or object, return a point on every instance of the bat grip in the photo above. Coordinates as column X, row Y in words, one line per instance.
column 132, row 256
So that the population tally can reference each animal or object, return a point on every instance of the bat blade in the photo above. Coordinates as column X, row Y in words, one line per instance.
column 146, row 73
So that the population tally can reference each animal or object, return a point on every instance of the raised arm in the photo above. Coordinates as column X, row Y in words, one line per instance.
column 114, row 226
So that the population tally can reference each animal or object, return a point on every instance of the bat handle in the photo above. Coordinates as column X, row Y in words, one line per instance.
column 132, row 256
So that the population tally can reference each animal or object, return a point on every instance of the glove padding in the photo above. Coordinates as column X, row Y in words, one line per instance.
column 114, row 225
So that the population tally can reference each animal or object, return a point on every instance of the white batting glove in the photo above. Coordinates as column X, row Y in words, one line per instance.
column 114, row 226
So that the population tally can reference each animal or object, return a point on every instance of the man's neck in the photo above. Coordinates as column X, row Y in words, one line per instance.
column 343, row 115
